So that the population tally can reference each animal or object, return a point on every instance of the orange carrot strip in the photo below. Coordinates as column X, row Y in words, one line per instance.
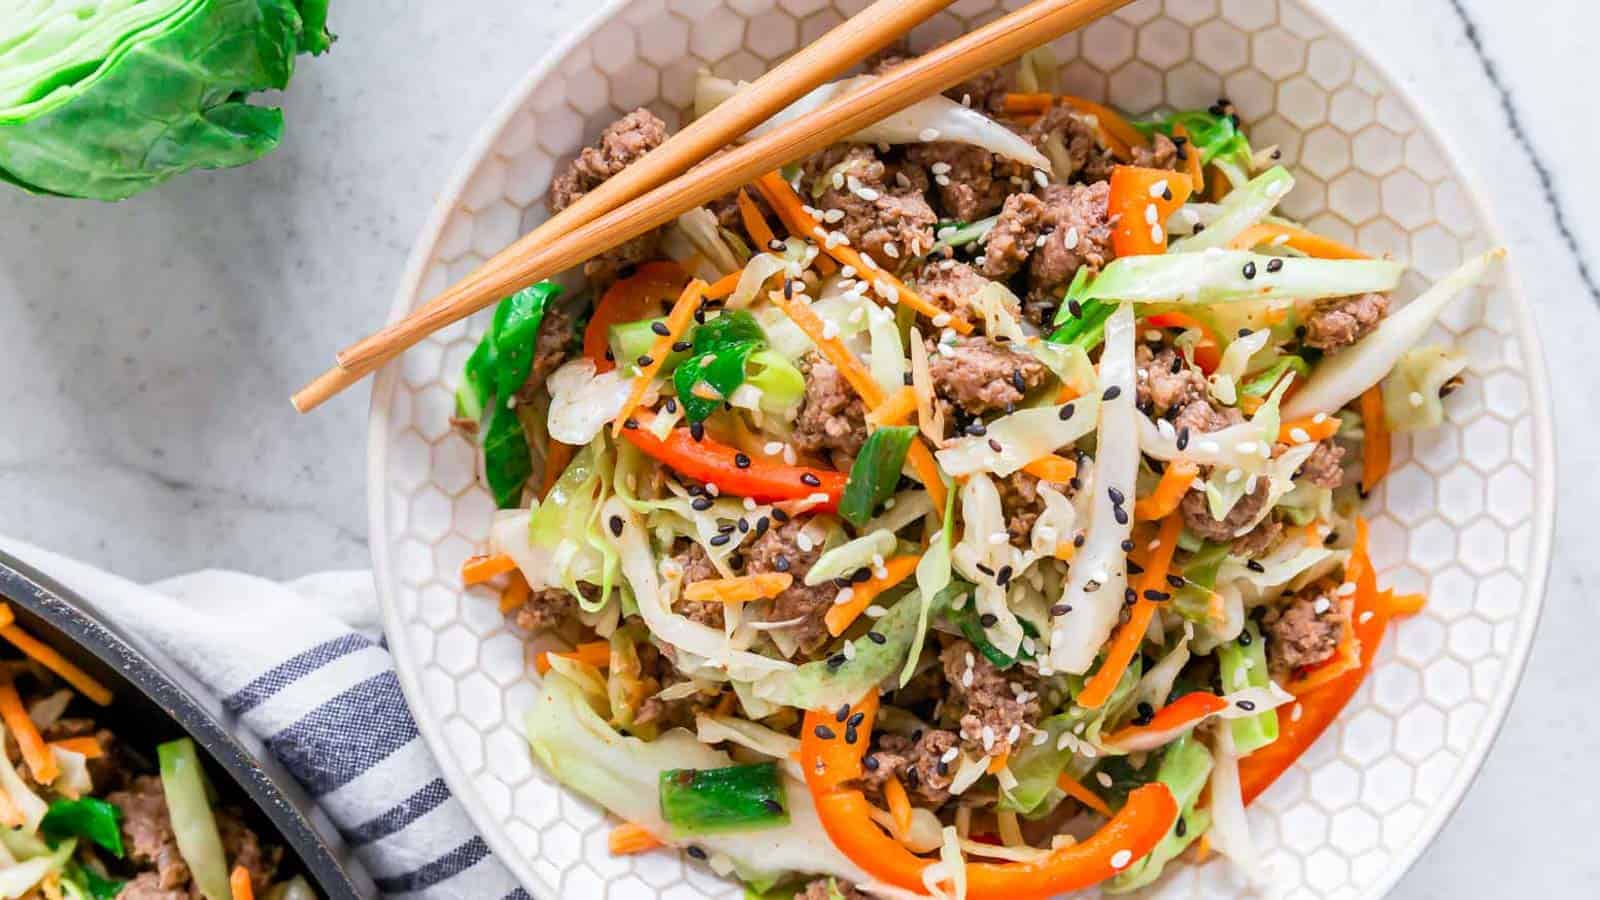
column 1308, row 430
column 27, row 736
column 1119, row 136
column 1405, row 604
column 997, row 763
column 854, row 371
column 802, row 224
column 46, row 656
column 743, row 589
column 594, row 653
column 1375, row 448
column 927, row 469
column 1053, row 468
column 6, row 615
column 239, row 884
column 1126, row 643
column 724, row 286
column 678, row 322
column 87, row 746
column 1027, row 104
column 516, row 593
column 841, row 615
column 478, row 569
column 755, row 224
column 895, row 409
column 1175, row 482
column 627, row 839
column 1082, row 794
column 1066, row 550
column 1309, row 243
column 555, row 464
column 894, row 793
column 1202, row 849
column 1191, row 154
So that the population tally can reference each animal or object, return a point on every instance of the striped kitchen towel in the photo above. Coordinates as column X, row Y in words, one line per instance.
column 304, row 667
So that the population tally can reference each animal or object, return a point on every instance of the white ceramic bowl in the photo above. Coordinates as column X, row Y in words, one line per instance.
column 1466, row 515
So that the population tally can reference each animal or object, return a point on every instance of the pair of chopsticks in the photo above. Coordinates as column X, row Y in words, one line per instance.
column 678, row 176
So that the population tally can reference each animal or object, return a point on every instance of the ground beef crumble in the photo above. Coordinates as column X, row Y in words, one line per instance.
column 829, row 889
column 970, row 182
column 1305, row 630
column 979, row 375
column 1166, row 382
column 885, row 210
column 918, row 763
column 623, row 143
column 778, row 550
column 547, row 609
column 832, row 416
column 998, row 709
column 1325, row 466
column 150, row 842
column 951, row 285
column 1338, row 322
column 1020, row 500
column 1088, row 161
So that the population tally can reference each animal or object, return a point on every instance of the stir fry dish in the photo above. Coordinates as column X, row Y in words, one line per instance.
column 87, row 814
column 972, row 509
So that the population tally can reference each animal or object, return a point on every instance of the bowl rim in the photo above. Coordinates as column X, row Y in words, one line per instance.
column 155, row 675
column 1533, row 368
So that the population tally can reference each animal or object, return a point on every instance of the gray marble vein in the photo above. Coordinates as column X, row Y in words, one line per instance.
column 147, row 349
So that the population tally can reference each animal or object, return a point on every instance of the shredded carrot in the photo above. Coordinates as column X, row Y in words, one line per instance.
column 26, row 734
column 6, row 615
column 87, row 746
column 594, row 653
column 743, row 589
column 1067, row 393
column 1375, row 446
column 894, row 793
column 998, row 763
column 835, row 352
column 755, row 224
column 478, row 569
column 1126, row 643
column 1309, row 243
column 1119, row 136
column 239, row 884
column 555, row 464
column 841, row 615
column 1191, row 159
column 46, row 656
column 927, row 469
column 724, row 286
column 1053, row 468
column 1202, row 849
column 1083, row 795
column 1027, row 104
column 1066, row 550
column 802, row 224
column 895, row 409
column 1404, row 604
column 627, row 839
column 516, row 593
column 1175, row 482
column 1308, row 430
column 678, row 322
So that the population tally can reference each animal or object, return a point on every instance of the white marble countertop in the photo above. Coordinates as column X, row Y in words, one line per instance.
column 147, row 349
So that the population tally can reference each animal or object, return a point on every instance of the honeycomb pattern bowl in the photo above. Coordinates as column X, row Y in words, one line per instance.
column 1466, row 515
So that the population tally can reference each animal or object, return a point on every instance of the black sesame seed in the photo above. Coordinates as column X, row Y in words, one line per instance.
column 781, row 564
column 616, row 526
column 697, row 853
column 1175, row 580
column 1247, row 705
column 610, row 357
column 877, row 638
column 1078, row 540
column 788, row 289
column 871, row 763
column 995, row 445
column 842, row 714
column 857, row 719
column 1060, row 609
column 630, row 423
column 1244, row 638
column 742, row 461
column 1244, row 332
column 1134, row 568
column 1146, row 713
column 810, row 479
column 1182, row 828
column 942, row 767
column 1120, row 514
column 1331, row 539
column 1183, row 437
column 772, row 805
column 985, row 570
column 780, row 516
column 988, row 620
column 717, row 540
column 762, row 524
column 1155, row 596
column 697, row 430
column 1176, row 365
column 836, row 660
column 701, row 504
column 1091, row 586
column 906, row 379
column 1066, row 412
column 1112, row 393
column 1018, row 382
column 825, row 733
column 1117, row 497
column 736, row 560
column 861, row 575
column 1075, row 308
column 682, row 346
column 700, row 316
column 671, row 405
column 744, row 526
column 1254, row 566
column 1130, row 596
column 645, row 360
column 725, row 528
column 1076, row 483
column 1249, row 270
column 850, row 735
column 1003, row 577
column 976, row 429
column 661, row 329
column 1127, row 546
column 841, row 582
column 1274, row 265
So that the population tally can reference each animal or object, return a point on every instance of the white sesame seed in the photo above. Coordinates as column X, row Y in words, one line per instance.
column 1014, row 735
column 830, row 330
column 773, row 448
column 1280, row 240
column 833, row 216
column 1040, row 178
column 1274, row 189
column 847, row 271
column 1158, row 190
column 1247, row 447
column 1322, row 605
column 1346, row 589
column 1319, row 418
column 1365, row 617
column 941, row 320
column 712, row 489
column 966, row 678
column 966, row 99
column 1233, row 476
column 929, row 135
column 820, row 232
column 871, row 263
column 1209, row 447
column 789, row 456
column 950, row 755
column 900, row 179
column 1121, row 858
column 838, row 181
column 843, row 596
column 1156, row 234
column 1416, row 399
column 1250, row 485
column 988, row 738
column 1296, row 713
column 804, row 542
column 1071, row 239
column 1039, row 737
column 1103, row 778
column 818, row 497
column 849, row 649
column 876, row 612
column 1063, row 740
column 1041, row 240
column 891, row 250
column 940, row 168
column 942, row 180
column 1299, row 435
column 870, row 195
column 836, row 239
column 1151, row 214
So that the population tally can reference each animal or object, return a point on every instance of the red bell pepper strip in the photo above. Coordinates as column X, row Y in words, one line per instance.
column 639, row 296
column 707, row 461
column 1207, row 350
column 1141, row 201
column 831, row 747
column 1179, row 715
column 1301, row 723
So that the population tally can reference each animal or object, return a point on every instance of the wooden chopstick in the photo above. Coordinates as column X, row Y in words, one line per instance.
column 526, row 262
column 869, row 31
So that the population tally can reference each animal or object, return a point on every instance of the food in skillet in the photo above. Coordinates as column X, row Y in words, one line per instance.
column 972, row 509
column 85, row 814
